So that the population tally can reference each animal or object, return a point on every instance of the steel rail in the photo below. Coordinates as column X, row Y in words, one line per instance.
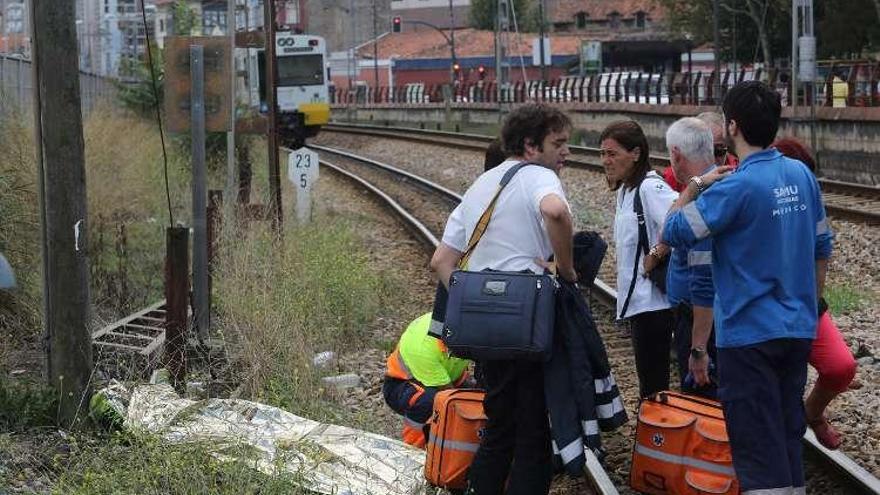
column 594, row 470
column 842, row 198
column 607, row 295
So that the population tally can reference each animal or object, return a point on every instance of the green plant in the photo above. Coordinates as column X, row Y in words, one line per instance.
column 845, row 298
column 25, row 404
column 147, row 465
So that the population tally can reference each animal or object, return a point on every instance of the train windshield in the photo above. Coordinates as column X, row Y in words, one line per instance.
column 301, row 70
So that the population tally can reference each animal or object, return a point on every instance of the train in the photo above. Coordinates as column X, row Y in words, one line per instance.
column 302, row 76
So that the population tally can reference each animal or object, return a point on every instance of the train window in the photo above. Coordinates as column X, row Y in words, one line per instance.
column 301, row 70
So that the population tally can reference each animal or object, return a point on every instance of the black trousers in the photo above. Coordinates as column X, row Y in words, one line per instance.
column 516, row 441
column 652, row 340
column 684, row 327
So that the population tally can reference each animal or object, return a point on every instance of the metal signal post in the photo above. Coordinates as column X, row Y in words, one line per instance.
column 275, row 207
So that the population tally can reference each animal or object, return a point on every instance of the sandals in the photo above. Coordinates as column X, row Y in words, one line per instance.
column 827, row 435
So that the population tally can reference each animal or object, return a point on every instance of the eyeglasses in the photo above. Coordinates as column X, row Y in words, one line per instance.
column 719, row 150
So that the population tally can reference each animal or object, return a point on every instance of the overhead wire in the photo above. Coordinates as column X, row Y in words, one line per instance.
column 155, row 86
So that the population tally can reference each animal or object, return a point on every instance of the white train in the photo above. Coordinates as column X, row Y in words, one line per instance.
column 303, row 103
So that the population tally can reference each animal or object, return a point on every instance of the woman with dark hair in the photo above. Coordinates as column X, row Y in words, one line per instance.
column 624, row 153
column 830, row 355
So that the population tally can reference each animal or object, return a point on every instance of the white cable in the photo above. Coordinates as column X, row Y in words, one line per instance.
column 522, row 65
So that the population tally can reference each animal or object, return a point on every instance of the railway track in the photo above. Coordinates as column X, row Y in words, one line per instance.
column 401, row 196
column 844, row 200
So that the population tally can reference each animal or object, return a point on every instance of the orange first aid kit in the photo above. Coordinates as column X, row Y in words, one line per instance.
column 682, row 447
column 456, row 425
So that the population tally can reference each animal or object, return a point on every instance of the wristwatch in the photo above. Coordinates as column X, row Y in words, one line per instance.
column 698, row 181
column 698, row 352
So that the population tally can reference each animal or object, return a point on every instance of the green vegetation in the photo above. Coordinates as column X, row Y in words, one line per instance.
column 280, row 302
column 127, row 464
column 24, row 404
column 843, row 299
column 483, row 15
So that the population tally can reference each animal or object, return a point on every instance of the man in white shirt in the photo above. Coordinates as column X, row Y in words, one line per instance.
column 531, row 222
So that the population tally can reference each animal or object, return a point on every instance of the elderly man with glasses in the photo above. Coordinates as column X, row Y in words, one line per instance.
column 719, row 149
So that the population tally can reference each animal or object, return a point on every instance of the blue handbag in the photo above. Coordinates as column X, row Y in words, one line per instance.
column 493, row 315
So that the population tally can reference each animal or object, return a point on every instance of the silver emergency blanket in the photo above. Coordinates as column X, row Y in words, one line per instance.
column 330, row 459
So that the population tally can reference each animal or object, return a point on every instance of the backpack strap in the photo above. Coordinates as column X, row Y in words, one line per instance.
column 640, row 248
column 483, row 223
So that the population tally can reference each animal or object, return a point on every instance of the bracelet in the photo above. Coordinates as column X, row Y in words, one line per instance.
column 655, row 252
column 698, row 181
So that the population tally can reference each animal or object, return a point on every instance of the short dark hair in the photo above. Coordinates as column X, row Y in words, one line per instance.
column 794, row 148
column 495, row 155
column 629, row 135
column 756, row 109
column 531, row 123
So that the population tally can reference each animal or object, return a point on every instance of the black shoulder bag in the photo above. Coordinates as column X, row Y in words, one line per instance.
column 658, row 274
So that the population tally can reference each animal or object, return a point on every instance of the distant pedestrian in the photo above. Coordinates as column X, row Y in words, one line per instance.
column 495, row 155
column 770, row 242
column 689, row 283
column 531, row 222
column 624, row 154
column 830, row 355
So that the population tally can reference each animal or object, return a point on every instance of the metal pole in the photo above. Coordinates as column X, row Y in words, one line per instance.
column 199, row 189
column 176, row 299
column 375, row 53
column 794, row 77
column 272, row 128
column 351, row 48
column 60, row 159
column 452, row 36
column 230, row 134
column 717, row 49
column 542, row 9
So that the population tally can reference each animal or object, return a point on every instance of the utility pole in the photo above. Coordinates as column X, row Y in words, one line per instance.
column 543, row 10
column 230, row 135
column 375, row 52
column 717, row 42
column 60, row 161
column 794, row 57
column 452, row 36
column 275, row 208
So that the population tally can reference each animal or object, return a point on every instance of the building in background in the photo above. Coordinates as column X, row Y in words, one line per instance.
column 15, row 38
column 444, row 14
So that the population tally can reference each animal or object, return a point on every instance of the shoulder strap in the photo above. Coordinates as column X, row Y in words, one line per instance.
column 641, row 247
column 483, row 223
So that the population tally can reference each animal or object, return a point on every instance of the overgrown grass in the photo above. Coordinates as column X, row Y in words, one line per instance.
column 145, row 465
column 25, row 404
column 845, row 298
column 280, row 302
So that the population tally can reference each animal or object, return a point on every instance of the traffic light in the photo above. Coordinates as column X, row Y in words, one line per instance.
column 395, row 24
column 481, row 72
column 456, row 67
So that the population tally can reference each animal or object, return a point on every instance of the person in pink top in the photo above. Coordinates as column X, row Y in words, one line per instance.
column 830, row 355
column 722, row 156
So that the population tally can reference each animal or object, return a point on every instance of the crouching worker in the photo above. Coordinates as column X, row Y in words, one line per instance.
column 419, row 367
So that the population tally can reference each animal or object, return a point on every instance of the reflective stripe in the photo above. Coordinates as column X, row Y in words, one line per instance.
column 453, row 444
column 697, row 258
column 412, row 423
column 590, row 427
column 775, row 491
column 572, row 451
column 604, row 384
column 695, row 220
column 396, row 367
column 605, row 411
column 822, row 227
column 688, row 461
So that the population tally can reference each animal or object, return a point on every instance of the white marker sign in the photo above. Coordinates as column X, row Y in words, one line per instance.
column 302, row 170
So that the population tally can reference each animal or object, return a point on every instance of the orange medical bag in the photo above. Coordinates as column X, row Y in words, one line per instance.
column 681, row 447
column 456, row 425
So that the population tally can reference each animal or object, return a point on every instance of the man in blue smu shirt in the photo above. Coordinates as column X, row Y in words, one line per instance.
column 770, row 247
column 689, row 280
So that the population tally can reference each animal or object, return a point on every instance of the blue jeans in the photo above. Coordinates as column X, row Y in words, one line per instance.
column 761, row 390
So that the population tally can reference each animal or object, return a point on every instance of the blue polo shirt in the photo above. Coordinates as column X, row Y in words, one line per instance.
column 689, row 278
column 768, row 227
